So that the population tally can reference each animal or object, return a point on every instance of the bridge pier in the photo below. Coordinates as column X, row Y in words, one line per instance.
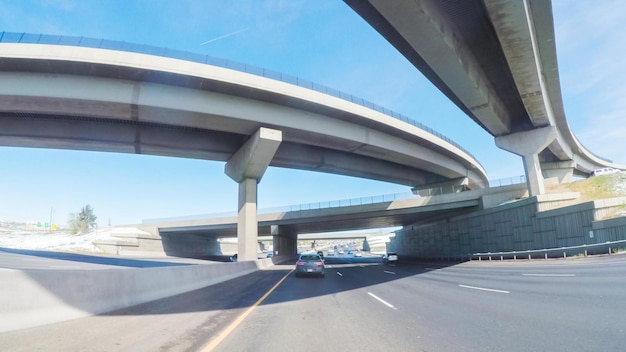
column 285, row 241
column 528, row 145
column 247, row 225
column 247, row 167
column 451, row 186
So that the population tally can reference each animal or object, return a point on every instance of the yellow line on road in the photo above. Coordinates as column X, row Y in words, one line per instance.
column 241, row 318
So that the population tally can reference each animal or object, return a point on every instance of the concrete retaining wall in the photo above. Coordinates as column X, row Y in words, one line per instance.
column 530, row 224
column 39, row 297
column 609, row 230
column 135, row 241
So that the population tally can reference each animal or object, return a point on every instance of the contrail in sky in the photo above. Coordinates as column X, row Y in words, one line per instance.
column 224, row 36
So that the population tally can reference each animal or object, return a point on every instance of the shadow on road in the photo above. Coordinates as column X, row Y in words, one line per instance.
column 241, row 292
column 244, row 291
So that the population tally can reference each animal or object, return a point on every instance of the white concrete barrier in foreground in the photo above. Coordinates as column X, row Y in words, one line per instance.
column 31, row 298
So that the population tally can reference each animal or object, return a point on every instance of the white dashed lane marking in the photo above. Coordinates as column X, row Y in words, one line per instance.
column 381, row 300
column 484, row 289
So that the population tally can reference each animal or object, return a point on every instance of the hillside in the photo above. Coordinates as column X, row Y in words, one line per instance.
column 593, row 188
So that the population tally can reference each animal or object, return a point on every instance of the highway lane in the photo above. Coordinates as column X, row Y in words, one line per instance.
column 572, row 305
column 490, row 308
column 334, row 313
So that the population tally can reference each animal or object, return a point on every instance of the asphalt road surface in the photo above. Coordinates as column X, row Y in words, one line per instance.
column 557, row 305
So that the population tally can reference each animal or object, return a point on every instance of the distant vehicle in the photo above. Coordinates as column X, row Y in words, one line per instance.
column 349, row 252
column 341, row 251
column 309, row 264
column 358, row 254
column 269, row 255
column 390, row 257
column 604, row 171
column 331, row 252
column 233, row 258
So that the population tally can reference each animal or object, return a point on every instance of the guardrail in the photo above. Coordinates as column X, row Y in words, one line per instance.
column 559, row 252
column 31, row 38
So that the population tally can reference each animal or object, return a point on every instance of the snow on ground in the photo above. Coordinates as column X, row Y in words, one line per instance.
column 619, row 186
column 25, row 236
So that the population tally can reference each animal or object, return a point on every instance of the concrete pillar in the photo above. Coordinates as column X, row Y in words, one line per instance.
column 247, row 227
column 528, row 145
column 451, row 186
column 366, row 245
column 285, row 241
column 247, row 167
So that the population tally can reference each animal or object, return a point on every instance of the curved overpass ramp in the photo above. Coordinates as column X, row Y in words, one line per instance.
column 496, row 60
column 60, row 96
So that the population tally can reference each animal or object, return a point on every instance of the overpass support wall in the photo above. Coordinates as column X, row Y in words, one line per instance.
column 528, row 145
column 190, row 245
column 531, row 224
column 452, row 186
column 563, row 171
column 285, row 242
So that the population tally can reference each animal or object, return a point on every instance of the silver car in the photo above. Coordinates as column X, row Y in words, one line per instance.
column 391, row 257
column 309, row 264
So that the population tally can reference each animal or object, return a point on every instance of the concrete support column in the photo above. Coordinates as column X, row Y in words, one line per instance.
column 451, row 186
column 247, row 167
column 285, row 241
column 528, row 145
column 534, row 177
column 247, row 227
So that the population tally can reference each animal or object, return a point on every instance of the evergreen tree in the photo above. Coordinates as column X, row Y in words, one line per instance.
column 83, row 221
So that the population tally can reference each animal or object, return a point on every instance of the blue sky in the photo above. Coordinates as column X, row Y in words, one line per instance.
column 321, row 41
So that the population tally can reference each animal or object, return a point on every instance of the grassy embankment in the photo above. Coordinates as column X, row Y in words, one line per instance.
column 594, row 188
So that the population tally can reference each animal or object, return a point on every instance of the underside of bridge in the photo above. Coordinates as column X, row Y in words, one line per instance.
column 496, row 61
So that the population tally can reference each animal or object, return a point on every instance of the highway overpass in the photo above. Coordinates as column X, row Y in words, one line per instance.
column 496, row 60
column 199, row 237
column 89, row 94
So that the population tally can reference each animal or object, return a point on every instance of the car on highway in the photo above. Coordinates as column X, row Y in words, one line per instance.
column 390, row 257
column 358, row 254
column 309, row 264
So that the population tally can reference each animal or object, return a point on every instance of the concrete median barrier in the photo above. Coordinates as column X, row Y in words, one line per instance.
column 37, row 297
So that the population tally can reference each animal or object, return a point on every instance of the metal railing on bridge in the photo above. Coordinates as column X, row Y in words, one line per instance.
column 334, row 203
